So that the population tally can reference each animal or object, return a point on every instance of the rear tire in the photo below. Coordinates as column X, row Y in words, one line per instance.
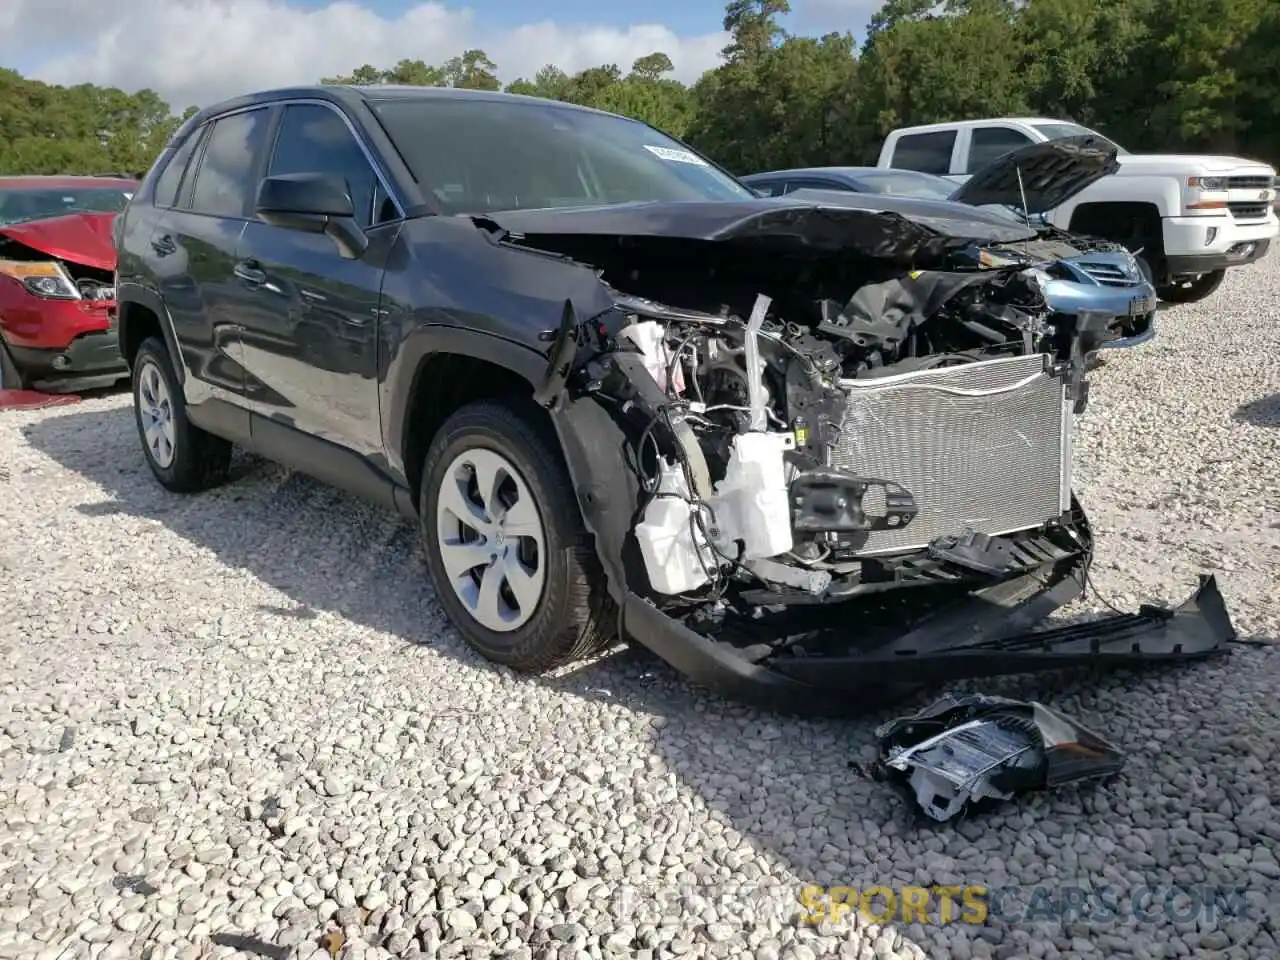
column 184, row 458
column 11, row 375
column 1192, row 291
column 512, row 563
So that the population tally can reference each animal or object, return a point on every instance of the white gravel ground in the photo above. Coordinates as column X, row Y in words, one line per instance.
column 242, row 713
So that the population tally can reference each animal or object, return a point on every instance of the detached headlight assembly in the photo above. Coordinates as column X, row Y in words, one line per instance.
column 46, row 280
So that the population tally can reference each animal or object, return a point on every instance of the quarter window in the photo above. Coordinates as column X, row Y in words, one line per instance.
column 225, row 184
column 989, row 144
column 925, row 152
column 171, row 177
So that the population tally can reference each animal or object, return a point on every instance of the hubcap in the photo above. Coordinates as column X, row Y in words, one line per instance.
column 491, row 540
column 155, row 413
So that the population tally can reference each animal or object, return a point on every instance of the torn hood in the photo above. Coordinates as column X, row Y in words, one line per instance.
column 821, row 222
column 1052, row 173
column 83, row 238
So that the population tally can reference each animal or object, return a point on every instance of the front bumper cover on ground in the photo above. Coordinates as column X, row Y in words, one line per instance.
column 987, row 634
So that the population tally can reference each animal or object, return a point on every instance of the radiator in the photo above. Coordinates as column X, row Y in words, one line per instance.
column 985, row 446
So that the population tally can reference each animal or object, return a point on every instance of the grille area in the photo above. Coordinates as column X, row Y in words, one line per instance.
column 1249, row 211
column 1108, row 274
column 985, row 446
column 1249, row 183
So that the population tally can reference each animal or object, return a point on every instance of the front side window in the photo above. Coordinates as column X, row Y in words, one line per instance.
column 21, row 205
column 926, row 152
column 989, row 144
column 314, row 139
column 485, row 156
column 225, row 184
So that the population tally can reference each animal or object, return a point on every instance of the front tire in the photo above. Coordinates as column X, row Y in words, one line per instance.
column 184, row 458
column 1192, row 291
column 506, row 548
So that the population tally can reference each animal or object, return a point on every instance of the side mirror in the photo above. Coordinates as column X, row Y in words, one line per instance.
column 312, row 203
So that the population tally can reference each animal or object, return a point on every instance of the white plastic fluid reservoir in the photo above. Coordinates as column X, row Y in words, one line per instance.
column 752, row 503
column 666, row 537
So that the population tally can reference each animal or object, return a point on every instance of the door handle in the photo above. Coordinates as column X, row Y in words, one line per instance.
column 251, row 272
column 164, row 245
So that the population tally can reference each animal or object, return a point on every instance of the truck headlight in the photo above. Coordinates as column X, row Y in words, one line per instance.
column 1210, row 184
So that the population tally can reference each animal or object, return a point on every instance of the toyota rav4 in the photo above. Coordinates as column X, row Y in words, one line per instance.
column 791, row 446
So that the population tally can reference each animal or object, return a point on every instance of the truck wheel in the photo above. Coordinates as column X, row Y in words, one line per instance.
column 1194, row 290
column 511, row 561
column 184, row 458
column 11, row 375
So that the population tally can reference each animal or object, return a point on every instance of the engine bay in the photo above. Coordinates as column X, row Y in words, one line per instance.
column 813, row 427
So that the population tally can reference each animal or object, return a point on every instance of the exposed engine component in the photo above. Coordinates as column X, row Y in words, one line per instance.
column 803, row 454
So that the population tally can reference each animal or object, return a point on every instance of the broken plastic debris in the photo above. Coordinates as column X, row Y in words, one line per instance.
column 966, row 749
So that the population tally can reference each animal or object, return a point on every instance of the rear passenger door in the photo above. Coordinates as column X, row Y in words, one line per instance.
column 312, row 318
column 194, row 244
column 928, row 152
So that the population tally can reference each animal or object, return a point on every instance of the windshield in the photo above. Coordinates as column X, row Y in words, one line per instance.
column 904, row 183
column 485, row 156
column 19, row 206
column 1057, row 131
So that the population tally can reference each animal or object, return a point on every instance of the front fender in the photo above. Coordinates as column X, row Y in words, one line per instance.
column 401, row 381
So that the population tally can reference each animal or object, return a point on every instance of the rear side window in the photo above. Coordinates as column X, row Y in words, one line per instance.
column 314, row 139
column 171, row 177
column 989, row 144
column 925, row 152
column 225, row 183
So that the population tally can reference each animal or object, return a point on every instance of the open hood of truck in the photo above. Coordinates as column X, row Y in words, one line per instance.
column 1051, row 174
column 83, row 238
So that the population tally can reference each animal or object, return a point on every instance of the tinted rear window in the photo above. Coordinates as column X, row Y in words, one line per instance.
column 926, row 152
column 225, row 186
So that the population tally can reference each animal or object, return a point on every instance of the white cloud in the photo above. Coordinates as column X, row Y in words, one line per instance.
column 200, row 51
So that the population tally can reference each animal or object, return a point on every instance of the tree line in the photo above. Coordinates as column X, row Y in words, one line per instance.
column 1157, row 75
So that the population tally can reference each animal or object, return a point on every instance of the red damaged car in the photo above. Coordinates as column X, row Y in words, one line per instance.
column 57, row 276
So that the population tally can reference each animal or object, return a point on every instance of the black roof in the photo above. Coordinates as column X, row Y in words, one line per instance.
column 350, row 94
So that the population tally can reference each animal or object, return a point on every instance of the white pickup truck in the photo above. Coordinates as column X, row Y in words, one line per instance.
column 1189, row 217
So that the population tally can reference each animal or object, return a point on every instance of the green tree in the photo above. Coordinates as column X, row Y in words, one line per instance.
column 473, row 70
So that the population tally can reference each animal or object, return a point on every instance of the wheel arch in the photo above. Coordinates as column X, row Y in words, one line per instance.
column 445, row 370
column 1105, row 219
column 141, row 314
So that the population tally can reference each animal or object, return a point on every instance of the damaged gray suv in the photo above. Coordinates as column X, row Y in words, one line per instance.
column 796, row 449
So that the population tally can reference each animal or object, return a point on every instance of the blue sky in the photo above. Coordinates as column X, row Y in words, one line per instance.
column 199, row 51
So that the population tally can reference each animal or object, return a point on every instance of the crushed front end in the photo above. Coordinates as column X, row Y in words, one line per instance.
column 821, row 459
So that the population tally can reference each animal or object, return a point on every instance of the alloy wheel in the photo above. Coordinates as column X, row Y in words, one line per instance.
column 491, row 539
column 155, row 411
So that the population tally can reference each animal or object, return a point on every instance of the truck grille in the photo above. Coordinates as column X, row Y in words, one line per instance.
column 1249, row 183
column 985, row 446
column 1249, row 211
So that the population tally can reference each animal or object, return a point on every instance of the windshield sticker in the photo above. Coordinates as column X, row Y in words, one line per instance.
column 676, row 156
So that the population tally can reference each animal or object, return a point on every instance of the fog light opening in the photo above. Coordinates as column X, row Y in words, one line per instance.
column 1210, row 235
column 61, row 362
